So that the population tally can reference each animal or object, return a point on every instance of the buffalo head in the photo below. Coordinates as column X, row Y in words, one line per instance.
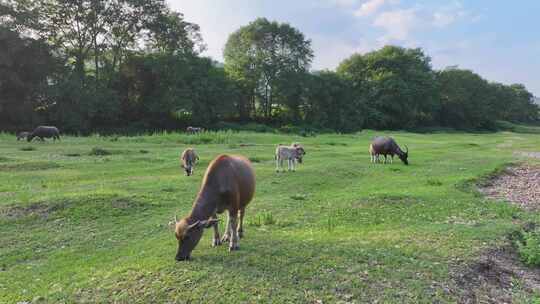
column 300, row 152
column 188, row 235
column 404, row 155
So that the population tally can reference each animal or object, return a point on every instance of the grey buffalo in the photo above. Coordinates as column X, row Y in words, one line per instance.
column 42, row 132
column 387, row 146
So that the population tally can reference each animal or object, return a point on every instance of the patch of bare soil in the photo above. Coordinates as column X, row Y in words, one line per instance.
column 519, row 185
column 529, row 154
column 40, row 209
column 496, row 277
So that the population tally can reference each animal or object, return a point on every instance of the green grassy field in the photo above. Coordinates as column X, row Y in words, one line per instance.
column 79, row 224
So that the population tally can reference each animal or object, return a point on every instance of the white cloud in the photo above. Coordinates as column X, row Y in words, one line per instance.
column 441, row 19
column 398, row 24
column 445, row 16
column 369, row 8
column 344, row 3
column 217, row 19
column 330, row 51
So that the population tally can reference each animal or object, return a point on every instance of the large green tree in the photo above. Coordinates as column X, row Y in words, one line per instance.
column 330, row 102
column 25, row 66
column 163, row 90
column 264, row 57
column 466, row 100
column 514, row 103
column 398, row 84
column 93, row 38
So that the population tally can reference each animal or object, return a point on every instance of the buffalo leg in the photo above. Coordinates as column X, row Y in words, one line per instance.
column 241, row 224
column 226, row 235
column 233, row 220
column 216, row 241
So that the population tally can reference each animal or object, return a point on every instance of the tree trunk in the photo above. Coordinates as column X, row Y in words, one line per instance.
column 96, row 60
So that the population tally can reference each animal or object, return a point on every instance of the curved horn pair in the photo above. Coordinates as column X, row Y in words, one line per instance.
column 407, row 149
column 206, row 223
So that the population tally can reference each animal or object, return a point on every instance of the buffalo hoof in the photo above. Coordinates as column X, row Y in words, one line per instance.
column 216, row 242
column 180, row 258
column 234, row 248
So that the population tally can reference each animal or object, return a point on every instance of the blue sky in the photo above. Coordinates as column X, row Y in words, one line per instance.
column 498, row 39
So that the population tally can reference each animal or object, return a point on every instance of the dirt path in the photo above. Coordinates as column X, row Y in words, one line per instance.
column 492, row 278
column 519, row 185
column 529, row 154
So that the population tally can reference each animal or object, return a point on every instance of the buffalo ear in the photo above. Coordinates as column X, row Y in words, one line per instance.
column 172, row 223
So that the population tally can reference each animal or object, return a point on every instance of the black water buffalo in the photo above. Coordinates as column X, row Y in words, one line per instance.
column 44, row 132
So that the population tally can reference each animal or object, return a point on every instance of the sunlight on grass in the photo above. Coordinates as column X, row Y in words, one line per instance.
column 85, row 219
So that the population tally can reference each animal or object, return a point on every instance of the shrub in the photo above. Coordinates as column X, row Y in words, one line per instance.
column 252, row 126
column 264, row 218
column 434, row 182
column 219, row 137
column 255, row 159
column 222, row 125
column 72, row 154
column 528, row 246
column 255, row 127
column 289, row 129
column 298, row 197
column 97, row 151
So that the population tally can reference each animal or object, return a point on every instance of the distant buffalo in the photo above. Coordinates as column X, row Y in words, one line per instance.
column 292, row 154
column 387, row 146
column 22, row 135
column 188, row 159
column 42, row 132
column 193, row 130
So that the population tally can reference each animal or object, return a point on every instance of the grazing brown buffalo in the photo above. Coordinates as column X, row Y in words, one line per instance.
column 188, row 160
column 387, row 146
column 228, row 184
column 44, row 132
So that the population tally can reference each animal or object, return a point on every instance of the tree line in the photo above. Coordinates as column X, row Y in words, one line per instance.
column 136, row 65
